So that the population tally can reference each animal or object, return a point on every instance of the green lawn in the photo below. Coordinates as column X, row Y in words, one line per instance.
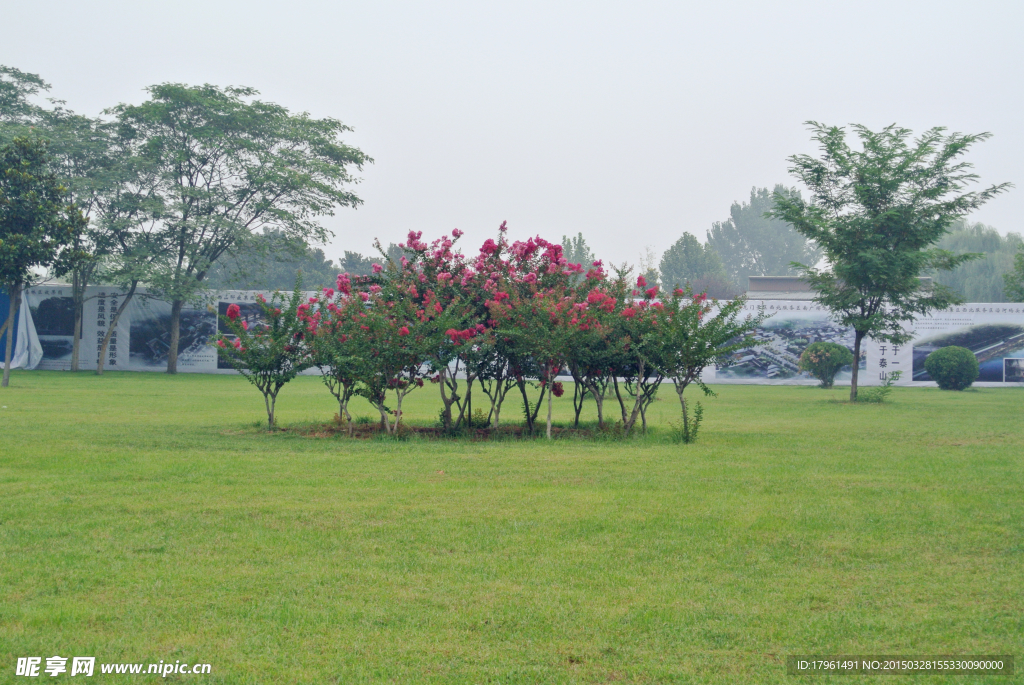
column 146, row 517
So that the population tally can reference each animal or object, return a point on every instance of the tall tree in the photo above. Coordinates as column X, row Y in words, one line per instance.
column 230, row 166
column 84, row 157
column 690, row 262
column 980, row 280
column 38, row 226
column 1013, row 282
column 878, row 213
column 753, row 244
column 576, row 250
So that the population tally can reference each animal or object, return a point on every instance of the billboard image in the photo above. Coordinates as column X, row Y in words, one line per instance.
column 791, row 328
column 994, row 344
column 150, row 339
column 53, row 313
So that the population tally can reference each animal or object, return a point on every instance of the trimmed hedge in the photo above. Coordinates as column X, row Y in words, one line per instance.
column 953, row 368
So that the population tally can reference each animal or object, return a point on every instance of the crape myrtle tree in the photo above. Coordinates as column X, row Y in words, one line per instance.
column 538, row 320
column 391, row 344
column 269, row 353
column 596, row 348
column 530, row 299
column 39, row 227
column 877, row 214
column 637, row 329
column 694, row 333
column 448, row 314
column 229, row 165
column 331, row 346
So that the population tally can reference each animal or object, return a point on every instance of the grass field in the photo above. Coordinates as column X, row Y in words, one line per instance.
column 146, row 518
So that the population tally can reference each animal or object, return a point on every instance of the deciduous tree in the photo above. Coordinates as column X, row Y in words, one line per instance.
column 230, row 166
column 877, row 214
column 38, row 226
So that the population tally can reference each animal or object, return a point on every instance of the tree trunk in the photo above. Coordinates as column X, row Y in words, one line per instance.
column 549, row 407
column 466, row 407
column 15, row 295
column 113, row 327
column 270, row 400
column 172, row 351
column 682, row 403
column 599, row 400
column 858, row 337
column 526, row 404
column 622, row 403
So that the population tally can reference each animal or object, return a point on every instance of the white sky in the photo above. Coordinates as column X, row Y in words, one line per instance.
column 629, row 121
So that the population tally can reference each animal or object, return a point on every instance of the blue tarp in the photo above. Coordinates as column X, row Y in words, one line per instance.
column 5, row 303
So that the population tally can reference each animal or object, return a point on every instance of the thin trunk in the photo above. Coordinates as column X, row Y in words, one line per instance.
column 384, row 422
column 3, row 329
column 549, row 408
column 398, row 412
column 858, row 337
column 113, row 327
column 270, row 412
column 15, row 295
column 682, row 403
column 599, row 400
column 466, row 407
column 172, row 351
column 622, row 403
column 579, row 392
column 526, row 405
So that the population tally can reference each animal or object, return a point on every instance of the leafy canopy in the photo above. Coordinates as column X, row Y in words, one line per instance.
column 38, row 226
column 877, row 214
column 228, row 166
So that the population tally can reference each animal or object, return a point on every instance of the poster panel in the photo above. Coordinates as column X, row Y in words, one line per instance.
column 150, row 339
column 792, row 326
column 993, row 332
column 53, row 314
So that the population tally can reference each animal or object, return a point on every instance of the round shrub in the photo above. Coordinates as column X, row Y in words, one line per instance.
column 823, row 360
column 953, row 368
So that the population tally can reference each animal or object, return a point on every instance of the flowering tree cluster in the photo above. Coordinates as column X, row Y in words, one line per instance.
column 514, row 316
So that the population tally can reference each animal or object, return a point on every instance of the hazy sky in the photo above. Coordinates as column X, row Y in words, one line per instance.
column 629, row 121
